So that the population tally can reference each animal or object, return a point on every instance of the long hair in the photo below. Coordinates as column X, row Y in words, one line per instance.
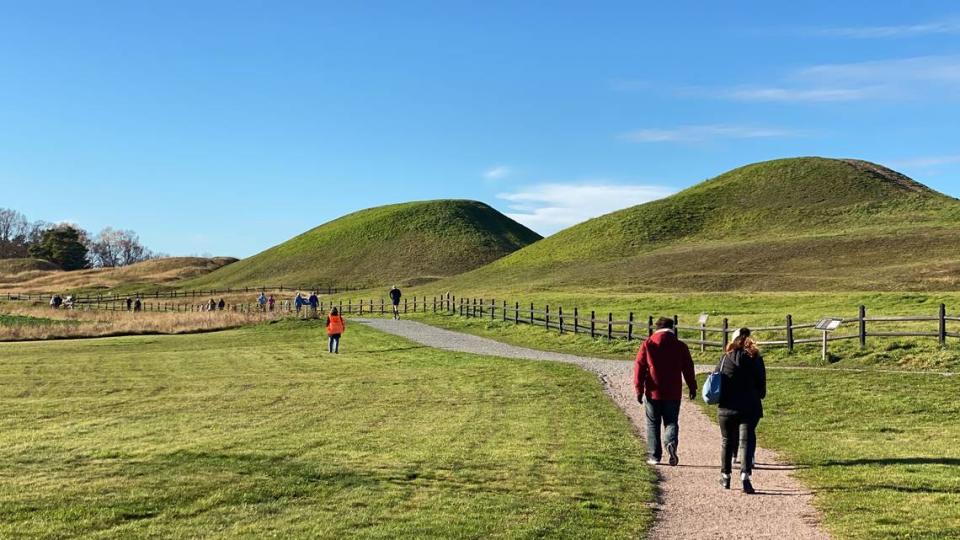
column 334, row 312
column 743, row 342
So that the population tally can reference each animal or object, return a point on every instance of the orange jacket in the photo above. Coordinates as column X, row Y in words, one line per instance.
column 335, row 325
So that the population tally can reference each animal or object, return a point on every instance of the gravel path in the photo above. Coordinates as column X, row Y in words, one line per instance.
column 691, row 503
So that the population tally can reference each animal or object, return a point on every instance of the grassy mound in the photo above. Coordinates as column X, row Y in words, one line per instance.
column 12, row 267
column 409, row 243
column 147, row 275
column 789, row 224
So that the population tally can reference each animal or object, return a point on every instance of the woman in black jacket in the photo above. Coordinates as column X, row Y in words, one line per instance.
column 742, row 390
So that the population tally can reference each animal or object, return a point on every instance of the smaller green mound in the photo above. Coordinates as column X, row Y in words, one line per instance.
column 9, row 267
column 406, row 243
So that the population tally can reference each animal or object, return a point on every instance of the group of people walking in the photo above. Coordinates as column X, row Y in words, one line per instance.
column 664, row 363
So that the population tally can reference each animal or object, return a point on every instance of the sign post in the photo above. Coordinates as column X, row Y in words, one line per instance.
column 827, row 325
column 703, row 332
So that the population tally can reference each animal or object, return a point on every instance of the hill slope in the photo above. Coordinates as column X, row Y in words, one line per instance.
column 789, row 224
column 410, row 243
column 42, row 276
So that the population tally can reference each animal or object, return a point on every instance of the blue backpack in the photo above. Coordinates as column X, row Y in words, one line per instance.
column 711, row 388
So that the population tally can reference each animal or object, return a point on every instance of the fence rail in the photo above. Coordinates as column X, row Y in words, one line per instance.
column 575, row 321
column 173, row 294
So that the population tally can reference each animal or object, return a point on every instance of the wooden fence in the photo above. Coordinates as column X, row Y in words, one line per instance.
column 860, row 327
column 173, row 294
column 790, row 334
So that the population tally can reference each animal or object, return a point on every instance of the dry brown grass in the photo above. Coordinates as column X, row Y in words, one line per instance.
column 155, row 271
column 59, row 324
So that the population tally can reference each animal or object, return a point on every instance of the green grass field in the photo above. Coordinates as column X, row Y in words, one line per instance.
column 879, row 451
column 7, row 319
column 256, row 432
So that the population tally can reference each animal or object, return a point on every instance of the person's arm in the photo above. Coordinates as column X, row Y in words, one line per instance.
column 761, row 378
column 640, row 371
column 689, row 374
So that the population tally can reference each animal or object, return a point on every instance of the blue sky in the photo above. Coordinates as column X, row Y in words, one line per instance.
column 227, row 127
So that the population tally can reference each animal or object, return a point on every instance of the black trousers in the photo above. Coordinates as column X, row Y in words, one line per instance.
column 738, row 430
column 335, row 343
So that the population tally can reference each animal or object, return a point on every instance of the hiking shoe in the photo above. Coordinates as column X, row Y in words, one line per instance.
column 652, row 461
column 672, row 450
column 748, row 487
column 725, row 481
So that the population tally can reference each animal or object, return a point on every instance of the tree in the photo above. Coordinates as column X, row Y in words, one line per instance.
column 14, row 234
column 117, row 248
column 62, row 245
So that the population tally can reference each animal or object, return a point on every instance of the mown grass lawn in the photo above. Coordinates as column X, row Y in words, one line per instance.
column 881, row 452
column 256, row 432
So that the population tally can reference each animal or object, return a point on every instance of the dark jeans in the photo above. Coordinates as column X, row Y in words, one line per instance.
column 666, row 412
column 335, row 343
column 738, row 430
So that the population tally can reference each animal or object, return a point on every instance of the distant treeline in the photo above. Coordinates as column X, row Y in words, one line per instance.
column 67, row 245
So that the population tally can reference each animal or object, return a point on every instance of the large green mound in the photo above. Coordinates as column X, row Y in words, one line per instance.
column 409, row 243
column 789, row 224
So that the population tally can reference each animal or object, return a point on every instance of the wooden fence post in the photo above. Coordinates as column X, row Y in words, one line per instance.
column 609, row 326
column 726, row 335
column 516, row 313
column 790, row 333
column 531, row 313
column 504, row 311
column 560, row 318
column 862, row 314
column 546, row 316
column 942, row 328
column 493, row 309
column 630, row 327
column 576, row 321
column 650, row 326
column 404, row 306
column 593, row 324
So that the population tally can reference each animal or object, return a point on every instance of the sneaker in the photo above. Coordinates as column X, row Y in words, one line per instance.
column 672, row 450
column 748, row 487
column 652, row 461
column 725, row 481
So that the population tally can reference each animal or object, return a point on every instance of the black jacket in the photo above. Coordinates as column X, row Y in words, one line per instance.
column 744, row 384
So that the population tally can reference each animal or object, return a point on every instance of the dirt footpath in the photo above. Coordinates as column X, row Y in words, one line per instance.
column 691, row 504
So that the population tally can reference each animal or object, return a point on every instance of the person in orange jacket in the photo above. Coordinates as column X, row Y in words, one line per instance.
column 335, row 328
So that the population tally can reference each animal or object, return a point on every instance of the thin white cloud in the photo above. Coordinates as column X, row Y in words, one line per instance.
column 549, row 207
column 497, row 173
column 927, row 161
column 700, row 133
column 894, row 79
column 810, row 95
column 893, row 31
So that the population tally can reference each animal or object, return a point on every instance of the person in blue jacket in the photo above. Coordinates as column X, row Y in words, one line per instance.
column 298, row 302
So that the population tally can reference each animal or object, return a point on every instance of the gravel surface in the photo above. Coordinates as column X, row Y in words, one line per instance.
column 691, row 502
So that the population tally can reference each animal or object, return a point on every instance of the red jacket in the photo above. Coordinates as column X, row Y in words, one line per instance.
column 661, row 361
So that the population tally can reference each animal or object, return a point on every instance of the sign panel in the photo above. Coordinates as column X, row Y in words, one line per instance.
column 828, row 324
column 703, row 319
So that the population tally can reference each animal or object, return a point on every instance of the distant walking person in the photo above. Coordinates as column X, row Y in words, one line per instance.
column 663, row 363
column 56, row 301
column 129, row 303
column 262, row 301
column 212, row 305
column 335, row 328
column 298, row 301
column 743, row 387
column 271, row 302
column 314, row 302
column 395, row 295
column 137, row 304
column 221, row 304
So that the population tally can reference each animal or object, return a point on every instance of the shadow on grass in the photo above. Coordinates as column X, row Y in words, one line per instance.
column 953, row 462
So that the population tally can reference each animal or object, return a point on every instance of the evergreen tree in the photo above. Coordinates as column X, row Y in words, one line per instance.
column 62, row 245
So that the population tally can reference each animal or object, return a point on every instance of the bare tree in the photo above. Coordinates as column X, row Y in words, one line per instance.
column 15, row 234
column 114, row 247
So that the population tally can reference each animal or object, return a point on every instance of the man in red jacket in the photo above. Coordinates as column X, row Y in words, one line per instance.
column 661, row 362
